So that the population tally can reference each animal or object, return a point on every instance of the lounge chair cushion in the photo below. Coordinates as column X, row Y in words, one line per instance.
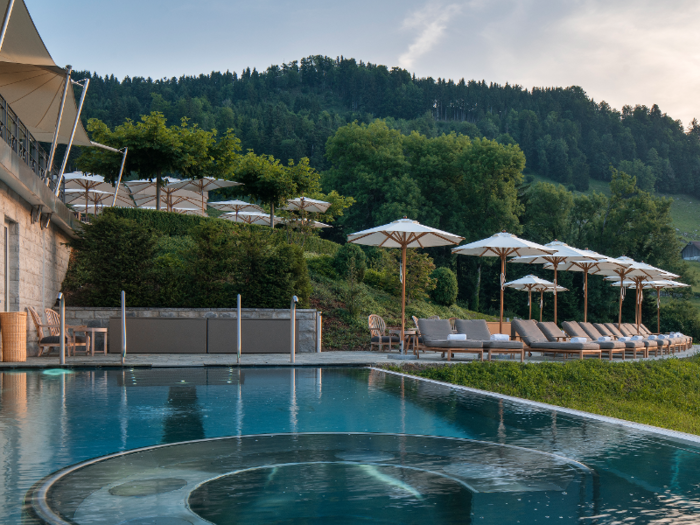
column 504, row 345
column 56, row 340
column 454, row 344
column 528, row 331
column 550, row 345
column 552, row 331
column 476, row 329
column 574, row 330
column 385, row 339
column 434, row 329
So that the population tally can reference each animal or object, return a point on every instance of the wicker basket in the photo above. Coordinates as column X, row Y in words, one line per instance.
column 13, row 326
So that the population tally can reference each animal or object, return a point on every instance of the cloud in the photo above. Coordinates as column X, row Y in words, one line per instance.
column 431, row 22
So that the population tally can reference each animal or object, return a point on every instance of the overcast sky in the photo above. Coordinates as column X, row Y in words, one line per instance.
column 622, row 51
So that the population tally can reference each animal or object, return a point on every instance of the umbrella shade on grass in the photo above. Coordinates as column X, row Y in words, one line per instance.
column 204, row 185
column 596, row 263
column 404, row 234
column 502, row 245
column 563, row 253
column 532, row 283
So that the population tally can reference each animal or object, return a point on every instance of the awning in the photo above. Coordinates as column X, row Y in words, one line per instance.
column 32, row 83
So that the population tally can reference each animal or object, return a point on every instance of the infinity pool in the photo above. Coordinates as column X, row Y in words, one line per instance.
column 321, row 446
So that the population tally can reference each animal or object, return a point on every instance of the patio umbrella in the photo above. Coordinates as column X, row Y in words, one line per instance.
column 195, row 210
column 203, row 185
column 95, row 198
column 150, row 187
column 502, row 245
column 637, row 272
column 234, row 206
column 82, row 181
column 308, row 222
column 404, row 234
column 532, row 283
column 171, row 198
column 249, row 217
column 563, row 253
column 306, row 204
column 596, row 263
column 659, row 285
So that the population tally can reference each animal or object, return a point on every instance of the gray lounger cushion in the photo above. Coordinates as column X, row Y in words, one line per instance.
column 549, row 345
column 435, row 332
column 478, row 330
column 573, row 329
column 594, row 334
column 534, row 338
column 56, row 339
column 552, row 331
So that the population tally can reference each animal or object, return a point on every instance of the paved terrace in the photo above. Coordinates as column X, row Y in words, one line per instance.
column 256, row 360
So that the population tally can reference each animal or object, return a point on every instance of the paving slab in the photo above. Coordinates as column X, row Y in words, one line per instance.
column 323, row 359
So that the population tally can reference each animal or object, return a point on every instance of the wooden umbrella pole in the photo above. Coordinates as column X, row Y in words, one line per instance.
column 529, row 300
column 658, row 310
column 619, row 317
column 555, row 294
column 585, row 297
column 541, row 303
column 403, row 294
column 502, row 280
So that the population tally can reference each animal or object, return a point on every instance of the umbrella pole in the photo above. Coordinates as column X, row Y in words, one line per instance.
column 503, row 280
column 585, row 297
column 403, row 296
column 541, row 303
column 529, row 300
column 555, row 294
column 658, row 310
column 619, row 316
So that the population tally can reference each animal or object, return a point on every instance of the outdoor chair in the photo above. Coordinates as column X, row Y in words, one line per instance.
column 575, row 329
column 630, row 346
column 378, row 337
column 686, row 339
column 478, row 330
column 418, row 345
column 54, row 319
column 536, row 340
column 652, row 345
column 671, row 344
column 49, row 335
column 436, row 334
column 646, row 346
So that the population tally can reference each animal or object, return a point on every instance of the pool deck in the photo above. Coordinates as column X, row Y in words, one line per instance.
column 324, row 359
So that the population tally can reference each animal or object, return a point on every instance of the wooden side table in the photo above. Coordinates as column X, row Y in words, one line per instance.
column 410, row 337
column 95, row 330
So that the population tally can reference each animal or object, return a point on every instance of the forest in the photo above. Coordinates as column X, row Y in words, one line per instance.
column 291, row 110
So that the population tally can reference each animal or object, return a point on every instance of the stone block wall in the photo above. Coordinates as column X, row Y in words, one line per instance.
column 99, row 317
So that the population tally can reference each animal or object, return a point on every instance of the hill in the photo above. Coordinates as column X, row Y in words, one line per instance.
column 290, row 111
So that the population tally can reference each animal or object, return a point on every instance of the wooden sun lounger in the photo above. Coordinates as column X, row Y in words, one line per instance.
column 478, row 330
column 535, row 340
column 435, row 332
column 574, row 329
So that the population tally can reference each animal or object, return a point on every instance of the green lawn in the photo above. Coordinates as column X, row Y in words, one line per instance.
column 663, row 393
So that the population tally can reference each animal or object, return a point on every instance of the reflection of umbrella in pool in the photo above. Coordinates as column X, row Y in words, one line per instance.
column 404, row 234
column 532, row 283
column 657, row 285
column 596, row 263
column 502, row 245
column 563, row 253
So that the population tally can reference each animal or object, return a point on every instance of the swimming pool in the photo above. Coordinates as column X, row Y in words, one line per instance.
column 506, row 462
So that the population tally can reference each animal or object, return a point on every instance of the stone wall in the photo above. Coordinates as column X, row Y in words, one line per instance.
column 37, row 260
column 99, row 317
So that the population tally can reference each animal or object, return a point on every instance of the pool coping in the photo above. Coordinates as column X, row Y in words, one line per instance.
column 605, row 419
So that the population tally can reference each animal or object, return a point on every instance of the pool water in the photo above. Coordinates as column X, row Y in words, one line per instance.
column 510, row 462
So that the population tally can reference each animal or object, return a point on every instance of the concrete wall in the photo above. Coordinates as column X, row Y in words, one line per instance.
column 306, row 322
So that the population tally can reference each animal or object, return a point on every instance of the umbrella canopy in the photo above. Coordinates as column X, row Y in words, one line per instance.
column 597, row 262
column 204, row 185
column 404, row 234
column 234, row 206
column 182, row 211
column 308, row 223
column 171, row 201
column 502, row 245
column 658, row 285
column 82, row 181
column 249, row 217
column 307, row 205
column 532, row 283
column 96, row 198
column 563, row 253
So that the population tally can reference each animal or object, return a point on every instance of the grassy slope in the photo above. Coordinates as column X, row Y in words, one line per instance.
column 662, row 393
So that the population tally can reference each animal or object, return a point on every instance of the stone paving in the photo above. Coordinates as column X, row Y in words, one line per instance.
column 252, row 360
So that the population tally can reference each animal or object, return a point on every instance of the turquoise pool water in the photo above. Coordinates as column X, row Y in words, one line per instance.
column 512, row 462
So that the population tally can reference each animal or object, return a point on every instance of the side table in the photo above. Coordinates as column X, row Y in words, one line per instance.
column 96, row 330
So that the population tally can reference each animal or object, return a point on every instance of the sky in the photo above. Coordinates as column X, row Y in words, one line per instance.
column 623, row 51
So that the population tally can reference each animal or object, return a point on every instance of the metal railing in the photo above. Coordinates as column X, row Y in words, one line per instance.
column 15, row 133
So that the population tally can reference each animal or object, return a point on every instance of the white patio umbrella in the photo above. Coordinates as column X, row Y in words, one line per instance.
column 638, row 272
column 96, row 198
column 404, row 234
column 306, row 204
column 171, row 198
column 308, row 222
column 563, row 253
column 204, row 185
column 150, row 187
column 195, row 210
column 502, row 245
column 249, row 217
column 596, row 263
column 532, row 283
column 86, row 182
column 235, row 206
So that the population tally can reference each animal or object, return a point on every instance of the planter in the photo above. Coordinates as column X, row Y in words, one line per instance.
column 13, row 327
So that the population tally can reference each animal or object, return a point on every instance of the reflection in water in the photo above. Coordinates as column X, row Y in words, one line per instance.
column 184, row 419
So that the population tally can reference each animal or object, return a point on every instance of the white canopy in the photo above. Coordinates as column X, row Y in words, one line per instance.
column 170, row 201
column 249, row 217
column 82, row 181
column 96, row 198
column 205, row 184
column 308, row 223
column 533, row 283
column 404, row 233
column 502, row 244
column 307, row 204
column 234, row 206
column 32, row 83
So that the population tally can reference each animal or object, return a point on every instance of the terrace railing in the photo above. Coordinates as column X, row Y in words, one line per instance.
column 15, row 133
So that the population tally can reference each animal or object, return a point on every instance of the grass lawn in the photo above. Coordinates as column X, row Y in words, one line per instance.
column 663, row 393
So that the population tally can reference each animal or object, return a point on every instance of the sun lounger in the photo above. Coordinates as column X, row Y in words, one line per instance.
column 633, row 347
column 478, row 330
column 536, row 340
column 435, row 334
column 673, row 344
column 684, row 342
column 652, row 345
column 575, row 329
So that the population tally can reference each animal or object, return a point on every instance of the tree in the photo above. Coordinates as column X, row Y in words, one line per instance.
column 156, row 149
column 547, row 212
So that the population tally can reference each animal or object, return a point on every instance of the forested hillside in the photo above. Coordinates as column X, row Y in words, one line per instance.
column 291, row 110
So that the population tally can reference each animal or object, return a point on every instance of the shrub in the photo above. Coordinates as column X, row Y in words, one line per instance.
column 445, row 291
column 350, row 257
column 374, row 278
column 322, row 265
column 419, row 283
column 679, row 316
